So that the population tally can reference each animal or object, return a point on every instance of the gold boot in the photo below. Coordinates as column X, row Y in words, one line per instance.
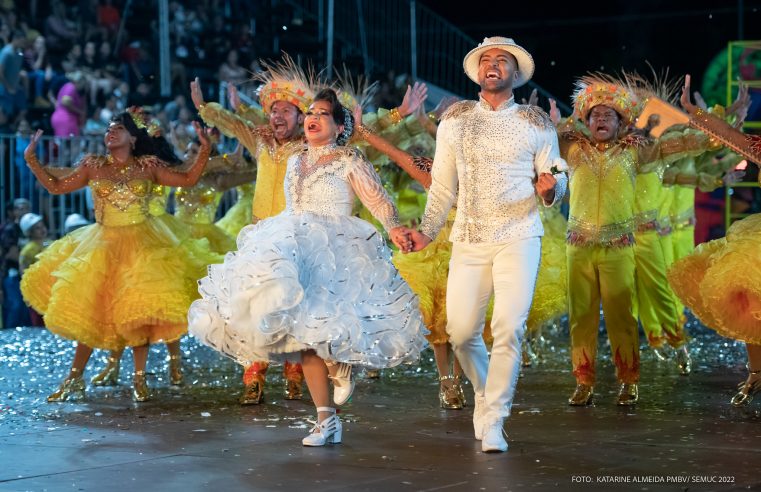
column 684, row 361
column 109, row 376
column 582, row 395
column 628, row 394
column 253, row 379
column 175, row 370
column 748, row 388
column 72, row 388
column 372, row 373
column 528, row 357
column 294, row 379
column 458, row 387
column 140, row 391
column 448, row 397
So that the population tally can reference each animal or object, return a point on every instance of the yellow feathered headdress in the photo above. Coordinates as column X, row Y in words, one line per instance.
column 602, row 89
column 285, row 81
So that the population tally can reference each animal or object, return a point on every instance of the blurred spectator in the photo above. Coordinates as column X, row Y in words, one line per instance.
column 230, row 71
column 15, row 312
column 59, row 30
column 12, row 96
column 33, row 227
column 174, row 107
column 70, row 111
column 39, row 72
column 74, row 222
column 108, row 17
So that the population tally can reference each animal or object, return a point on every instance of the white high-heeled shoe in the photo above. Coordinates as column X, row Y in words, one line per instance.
column 343, row 384
column 328, row 431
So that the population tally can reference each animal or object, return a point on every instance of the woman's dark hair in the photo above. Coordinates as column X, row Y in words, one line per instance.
column 145, row 144
column 341, row 115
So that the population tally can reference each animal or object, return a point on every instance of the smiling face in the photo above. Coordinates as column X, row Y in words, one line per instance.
column 285, row 120
column 117, row 137
column 604, row 123
column 320, row 127
column 496, row 70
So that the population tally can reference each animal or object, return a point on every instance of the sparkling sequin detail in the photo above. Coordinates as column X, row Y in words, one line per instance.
column 492, row 158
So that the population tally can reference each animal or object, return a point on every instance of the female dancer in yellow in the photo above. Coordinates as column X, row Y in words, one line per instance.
column 721, row 280
column 196, row 206
column 124, row 281
column 200, row 236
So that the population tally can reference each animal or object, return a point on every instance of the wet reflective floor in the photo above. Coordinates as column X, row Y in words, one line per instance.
column 683, row 436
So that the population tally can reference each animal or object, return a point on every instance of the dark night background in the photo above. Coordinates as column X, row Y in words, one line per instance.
column 568, row 39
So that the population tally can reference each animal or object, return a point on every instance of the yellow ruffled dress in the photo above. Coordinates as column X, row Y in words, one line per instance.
column 721, row 282
column 197, row 207
column 240, row 214
column 123, row 281
column 551, row 291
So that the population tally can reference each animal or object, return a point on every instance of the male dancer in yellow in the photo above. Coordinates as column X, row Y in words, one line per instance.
column 285, row 95
column 604, row 161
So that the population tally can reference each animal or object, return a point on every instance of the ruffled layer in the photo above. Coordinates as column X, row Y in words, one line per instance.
column 426, row 273
column 551, row 291
column 111, row 287
column 307, row 281
column 238, row 216
column 721, row 282
column 219, row 241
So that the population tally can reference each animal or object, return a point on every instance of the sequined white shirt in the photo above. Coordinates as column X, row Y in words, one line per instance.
column 492, row 157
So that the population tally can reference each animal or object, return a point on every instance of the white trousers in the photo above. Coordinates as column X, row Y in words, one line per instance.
column 475, row 272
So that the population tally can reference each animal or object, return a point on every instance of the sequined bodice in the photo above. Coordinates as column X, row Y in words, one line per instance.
column 322, row 189
column 271, row 166
column 120, row 203
column 159, row 199
column 197, row 204
column 330, row 187
column 602, row 190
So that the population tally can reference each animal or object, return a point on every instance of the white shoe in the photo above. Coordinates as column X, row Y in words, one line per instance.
column 494, row 437
column 343, row 384
column 326, row 432
column 478, row 416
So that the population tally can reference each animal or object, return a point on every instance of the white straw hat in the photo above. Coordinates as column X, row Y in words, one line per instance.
column 524, row 58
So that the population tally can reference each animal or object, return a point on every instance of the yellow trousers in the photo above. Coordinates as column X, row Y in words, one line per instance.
column 596, row 275
column 657, row 306
column 683, row 241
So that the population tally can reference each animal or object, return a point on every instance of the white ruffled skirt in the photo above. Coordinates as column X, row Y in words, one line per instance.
column 306, row 281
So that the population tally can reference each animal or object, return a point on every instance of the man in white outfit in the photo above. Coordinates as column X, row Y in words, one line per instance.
column 493, row 157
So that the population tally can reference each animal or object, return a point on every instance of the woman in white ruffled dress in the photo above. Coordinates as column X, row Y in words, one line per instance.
column 314, row 279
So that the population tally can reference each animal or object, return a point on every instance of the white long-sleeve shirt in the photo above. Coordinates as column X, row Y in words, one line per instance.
column 487, row 160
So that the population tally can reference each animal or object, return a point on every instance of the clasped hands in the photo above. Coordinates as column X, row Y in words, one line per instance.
column 408, row 240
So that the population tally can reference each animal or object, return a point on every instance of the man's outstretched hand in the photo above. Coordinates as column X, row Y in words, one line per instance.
column 408, row 240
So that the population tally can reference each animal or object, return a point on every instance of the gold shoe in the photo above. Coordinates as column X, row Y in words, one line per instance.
column 140, row 391
column 372, row 373
column 294, row 377
column 72, row 388
column 582, row 395
column 448, row 397
column 748, row 388
column 628, row 394
column 528, row 357
column 660, row 353
column 458, row 387
column 684, row 361
column 175, row 370
column 109, row 376
column 253, row 394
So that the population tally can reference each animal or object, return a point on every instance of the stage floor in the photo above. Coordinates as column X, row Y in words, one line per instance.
column 683, row 435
